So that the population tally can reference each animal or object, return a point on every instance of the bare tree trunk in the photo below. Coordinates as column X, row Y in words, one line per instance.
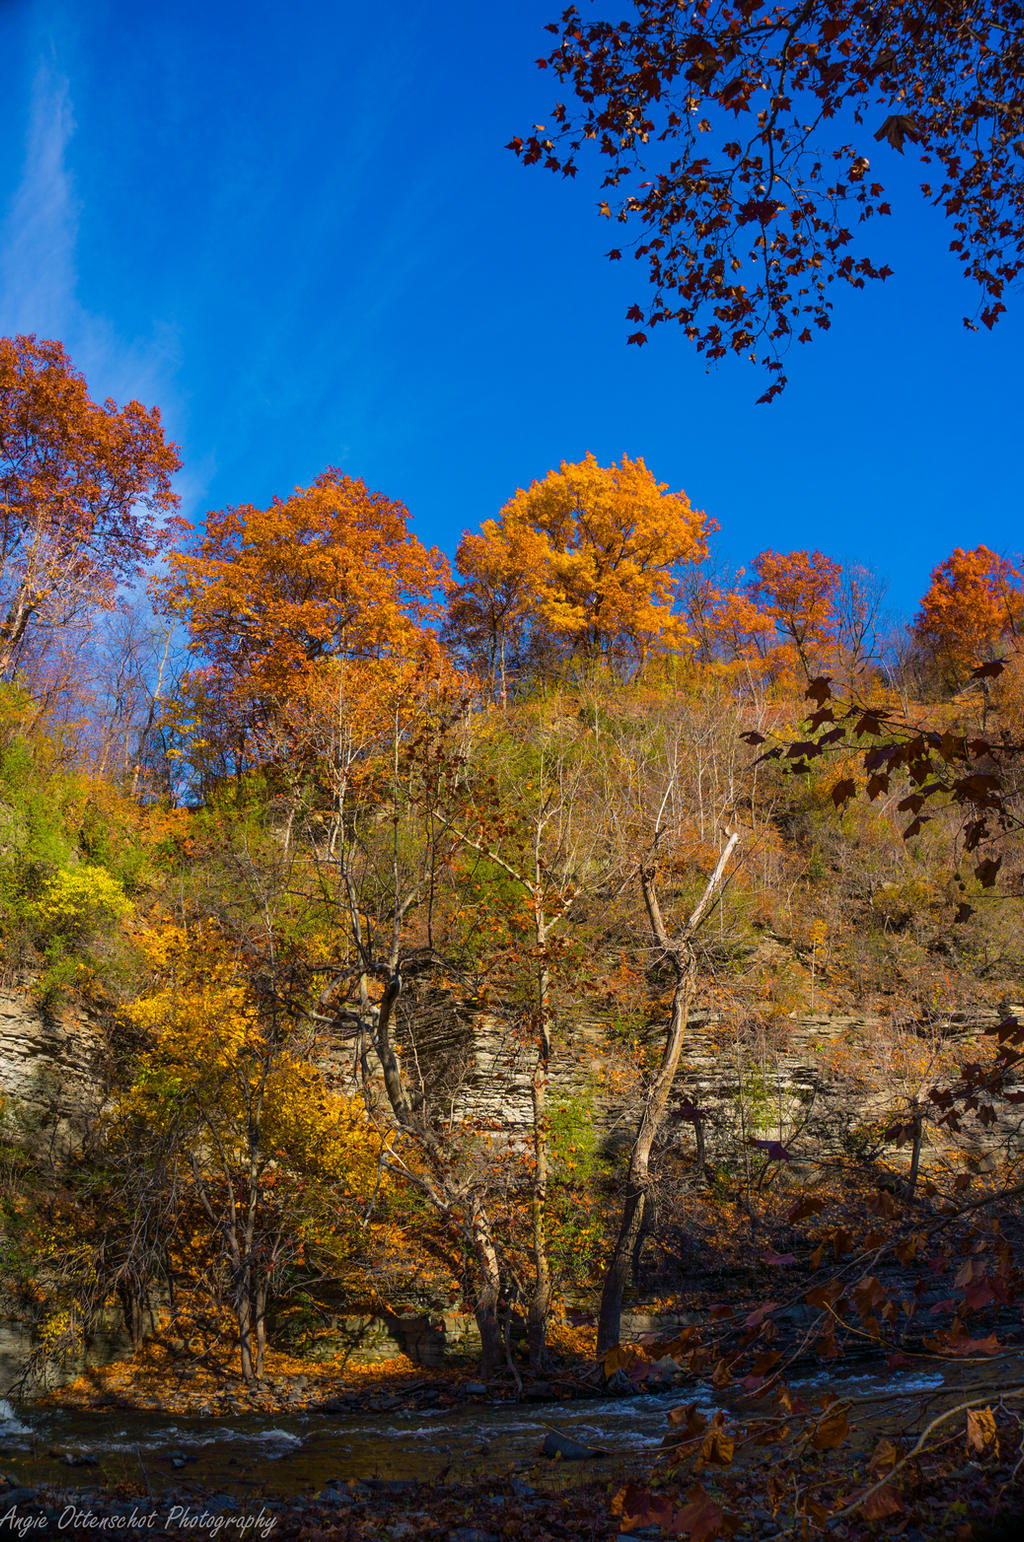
column 132, row 1310
column 681, row 954
column 540, row 1302
column 915, row 1155
column 243, row 1315
column 638, row 1177
column 261, row 1329
column 700, row 1139
column 486, row 1308
column 13, row 627
column 480, row 1236
column 147, row 728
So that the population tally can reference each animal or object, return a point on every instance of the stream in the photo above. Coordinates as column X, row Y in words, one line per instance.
column 289, row 1454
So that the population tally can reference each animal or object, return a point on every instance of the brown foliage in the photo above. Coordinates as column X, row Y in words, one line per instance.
column 719, row 130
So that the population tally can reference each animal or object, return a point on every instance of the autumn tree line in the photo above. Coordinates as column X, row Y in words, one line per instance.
column 592, row 566
column 406, row 893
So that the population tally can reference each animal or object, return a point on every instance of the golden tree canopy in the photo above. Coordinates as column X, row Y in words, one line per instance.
column 588, row 558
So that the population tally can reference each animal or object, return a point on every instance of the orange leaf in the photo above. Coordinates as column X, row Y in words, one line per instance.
column 982, row 1439
column 884, row 1501
column 884, row 1458
column 831, row 1430
column 702, row 1519
column 717, row 1447
column 621, row 1358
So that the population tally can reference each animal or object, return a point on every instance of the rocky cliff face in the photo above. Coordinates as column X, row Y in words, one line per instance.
column 808, row 1083
column 55, row 1072
column 815, row 1078
column 54, row 1080
column 25, row 1373
column 54, row 1075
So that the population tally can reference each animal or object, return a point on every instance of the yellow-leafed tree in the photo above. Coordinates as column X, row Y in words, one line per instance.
column 586, row 561
column 244, row 1138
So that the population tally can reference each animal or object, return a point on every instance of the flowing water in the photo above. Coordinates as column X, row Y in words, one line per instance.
column 291, row 1454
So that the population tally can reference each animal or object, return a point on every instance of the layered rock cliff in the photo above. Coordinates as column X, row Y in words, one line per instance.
column 54, row 1075
column 812, row 1082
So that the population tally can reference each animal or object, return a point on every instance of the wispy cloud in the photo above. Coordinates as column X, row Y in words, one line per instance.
column 39, row 280
column 37, row 245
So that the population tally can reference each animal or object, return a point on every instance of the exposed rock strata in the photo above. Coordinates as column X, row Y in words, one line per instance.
column 814, row 1079
column 24, row 1372
column 54, row 1075
column 809, row 1083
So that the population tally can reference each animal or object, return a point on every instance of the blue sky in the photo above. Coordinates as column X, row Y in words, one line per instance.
column 296, row 229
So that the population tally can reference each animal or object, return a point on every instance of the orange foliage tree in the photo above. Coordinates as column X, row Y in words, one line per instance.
column 798, row 589
column 82, row 491
column 586, row 562
column 487, row 620
column 973, row 605
column 729, row 626
column 270, row 596
column 800, row 609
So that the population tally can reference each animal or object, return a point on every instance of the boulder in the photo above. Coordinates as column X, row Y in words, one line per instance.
column 565, row 1448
